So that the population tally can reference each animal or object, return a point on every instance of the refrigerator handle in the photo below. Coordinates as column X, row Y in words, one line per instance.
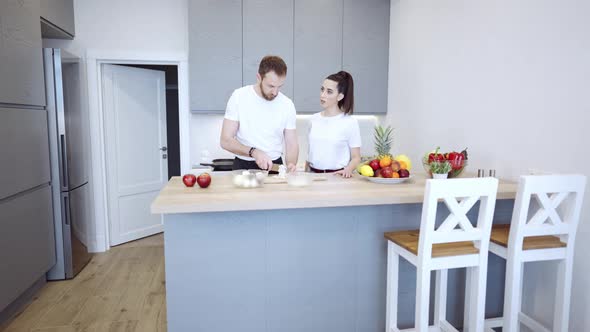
column 66, row 210
column 64, row 162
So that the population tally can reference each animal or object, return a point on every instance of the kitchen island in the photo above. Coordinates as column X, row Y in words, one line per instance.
column 282, row 258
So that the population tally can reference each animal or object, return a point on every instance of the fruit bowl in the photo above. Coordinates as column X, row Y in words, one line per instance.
column 387, row 180
column 252, row 178
column 386, row 169
column 452, row 174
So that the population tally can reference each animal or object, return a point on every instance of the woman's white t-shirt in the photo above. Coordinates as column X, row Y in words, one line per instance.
column 330, row 140
column 262, row 122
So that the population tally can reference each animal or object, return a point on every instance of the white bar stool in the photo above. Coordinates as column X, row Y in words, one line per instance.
column 548, row 234
column 454, row 244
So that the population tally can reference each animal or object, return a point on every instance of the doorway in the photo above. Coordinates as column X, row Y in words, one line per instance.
column 172, row 115
column 95, row 61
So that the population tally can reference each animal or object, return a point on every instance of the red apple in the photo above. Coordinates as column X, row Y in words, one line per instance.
column 378, row 173
column 189, row 180
column 387, row 172
column 374, row 164
column 204, row 180
column 403, row 173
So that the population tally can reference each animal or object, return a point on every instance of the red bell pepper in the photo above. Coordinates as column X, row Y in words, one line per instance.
column 456, row 160
column 435, row 156
column 464, row 153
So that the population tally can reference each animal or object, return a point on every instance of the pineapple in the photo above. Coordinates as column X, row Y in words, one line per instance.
column 383, row 141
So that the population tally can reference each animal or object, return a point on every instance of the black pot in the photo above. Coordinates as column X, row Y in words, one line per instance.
column 220, row 164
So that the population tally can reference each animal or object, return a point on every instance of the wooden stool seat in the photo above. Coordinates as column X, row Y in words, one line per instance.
column 500, row 237
column 409, row 241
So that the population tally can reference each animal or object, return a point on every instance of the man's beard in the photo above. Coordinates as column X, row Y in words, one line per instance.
column 264, row 95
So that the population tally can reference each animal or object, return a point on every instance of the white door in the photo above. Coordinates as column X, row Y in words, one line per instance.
column 134, row 104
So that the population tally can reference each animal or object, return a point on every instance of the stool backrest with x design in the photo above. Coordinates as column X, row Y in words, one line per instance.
column 558, row 201
column 459, row 195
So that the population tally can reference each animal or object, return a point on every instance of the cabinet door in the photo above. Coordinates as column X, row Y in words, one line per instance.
column 318, row 49
column 268, row 30
column 24, row 148
column 215, row 52
column 27, row 243
column 366, row 52
column 60, row 16
column 21, row 62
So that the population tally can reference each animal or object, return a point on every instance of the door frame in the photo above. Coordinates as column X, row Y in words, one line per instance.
column 94, row 61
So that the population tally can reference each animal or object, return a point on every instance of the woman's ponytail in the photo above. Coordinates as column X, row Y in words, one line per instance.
column 345, row 87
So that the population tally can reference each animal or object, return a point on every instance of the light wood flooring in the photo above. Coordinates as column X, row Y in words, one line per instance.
column 119, row 290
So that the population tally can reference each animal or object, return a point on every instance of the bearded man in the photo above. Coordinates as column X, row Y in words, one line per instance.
column 259, row 119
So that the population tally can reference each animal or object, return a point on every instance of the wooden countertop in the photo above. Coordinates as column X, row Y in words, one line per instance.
column 222, row 196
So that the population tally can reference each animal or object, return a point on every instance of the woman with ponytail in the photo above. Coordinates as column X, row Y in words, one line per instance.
column 334, row 135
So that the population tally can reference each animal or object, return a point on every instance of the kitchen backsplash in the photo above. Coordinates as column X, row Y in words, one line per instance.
column 206, row 128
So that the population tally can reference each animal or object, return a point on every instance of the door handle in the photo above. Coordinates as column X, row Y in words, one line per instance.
column 164, row 148
column 66, row 210
column 64, row 162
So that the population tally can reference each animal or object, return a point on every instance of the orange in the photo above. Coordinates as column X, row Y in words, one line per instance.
column 395, row 175
column 402, row 164
column 385, row 161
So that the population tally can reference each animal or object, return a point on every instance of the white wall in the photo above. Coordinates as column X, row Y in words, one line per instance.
column 510, row 81
column 131, row 25
column 154, row 27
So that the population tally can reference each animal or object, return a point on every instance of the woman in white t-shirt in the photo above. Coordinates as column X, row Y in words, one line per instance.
column 334, row 135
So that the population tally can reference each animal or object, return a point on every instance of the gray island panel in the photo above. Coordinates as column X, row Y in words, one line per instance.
column 298, row 270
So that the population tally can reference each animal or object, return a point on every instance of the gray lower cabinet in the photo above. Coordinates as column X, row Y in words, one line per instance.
column 24, row 148
column 268, row 30
column 317, row 48
column 366, row 52
column 215, row 56
column 58, row 18
column 21, row 62
column 27, row 244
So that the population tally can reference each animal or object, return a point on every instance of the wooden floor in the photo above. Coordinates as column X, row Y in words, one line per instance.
column 119, row 290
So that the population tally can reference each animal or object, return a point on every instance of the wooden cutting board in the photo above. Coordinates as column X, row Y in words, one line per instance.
column 273, row 179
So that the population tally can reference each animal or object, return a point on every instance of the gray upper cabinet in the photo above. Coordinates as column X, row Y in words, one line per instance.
column 315, row 38
column 366, row 52
column 57, row 19
column 215, row 52
column 21, row 69
column 318, row 49
column 268, row 30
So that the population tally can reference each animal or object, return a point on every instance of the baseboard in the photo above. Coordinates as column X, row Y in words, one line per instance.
column 96, row 244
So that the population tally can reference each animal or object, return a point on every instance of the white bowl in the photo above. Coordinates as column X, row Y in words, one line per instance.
column 299, row 179
column 252, row 178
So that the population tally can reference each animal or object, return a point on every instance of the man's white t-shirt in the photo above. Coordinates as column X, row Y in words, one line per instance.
column 262, row 122
column 330, row 140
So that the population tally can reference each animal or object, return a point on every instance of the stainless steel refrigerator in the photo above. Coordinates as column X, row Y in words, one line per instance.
column 69, row 154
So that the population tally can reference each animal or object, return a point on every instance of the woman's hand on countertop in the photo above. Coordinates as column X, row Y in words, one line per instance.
column 345, row 172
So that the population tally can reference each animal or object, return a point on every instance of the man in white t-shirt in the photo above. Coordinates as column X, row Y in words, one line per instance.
column 259, row 119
